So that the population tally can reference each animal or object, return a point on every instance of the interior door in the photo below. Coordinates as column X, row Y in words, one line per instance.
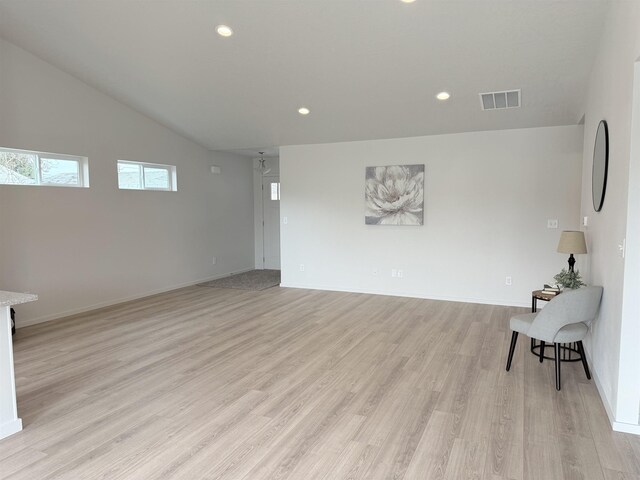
column 271, row 222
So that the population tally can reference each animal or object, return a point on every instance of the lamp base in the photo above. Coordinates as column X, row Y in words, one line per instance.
column 572, row 262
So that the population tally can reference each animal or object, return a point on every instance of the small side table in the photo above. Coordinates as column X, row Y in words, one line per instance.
column 538, row 295
column 567, row 349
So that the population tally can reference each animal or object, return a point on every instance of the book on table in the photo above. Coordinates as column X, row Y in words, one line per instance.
column 550, row 289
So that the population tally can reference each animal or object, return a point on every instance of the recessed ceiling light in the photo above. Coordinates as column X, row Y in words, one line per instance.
column 443, row 96
column 304, row 111
column 224, row 31
column 407, row 1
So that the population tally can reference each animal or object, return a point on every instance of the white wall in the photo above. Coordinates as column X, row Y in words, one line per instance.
column 613, row 345
column 79, row 248
column 488, row 196
column 274, row 165
column 629, row 378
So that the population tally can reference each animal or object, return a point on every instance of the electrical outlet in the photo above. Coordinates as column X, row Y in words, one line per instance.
column 399, row 273
column 507, row 281
column 552, row 223
column 213, row 261
column 394, row 273
column 302, row 267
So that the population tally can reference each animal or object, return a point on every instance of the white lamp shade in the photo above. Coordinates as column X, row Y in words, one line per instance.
column 572, row 242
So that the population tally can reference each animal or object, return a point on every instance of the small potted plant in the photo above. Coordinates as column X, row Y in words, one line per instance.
column 569, row 279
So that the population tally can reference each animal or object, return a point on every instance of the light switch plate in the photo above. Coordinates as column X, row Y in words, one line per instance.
column 622, row 247
column 552, row 223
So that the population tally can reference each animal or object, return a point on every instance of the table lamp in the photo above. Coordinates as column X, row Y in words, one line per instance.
column 572, row 242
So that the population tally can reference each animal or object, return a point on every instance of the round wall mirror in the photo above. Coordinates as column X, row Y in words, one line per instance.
column 600, row 165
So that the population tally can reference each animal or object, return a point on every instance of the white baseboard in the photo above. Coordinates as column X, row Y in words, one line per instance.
column 484, row 301
column 10, row 427
column 616, row 426
column 109, row 303
column 626, row 428
column 600, row 388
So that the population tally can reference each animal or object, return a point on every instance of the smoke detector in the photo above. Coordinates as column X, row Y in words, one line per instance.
column 500, row 100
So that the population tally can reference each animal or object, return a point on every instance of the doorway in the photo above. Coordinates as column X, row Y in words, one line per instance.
column 271, row 222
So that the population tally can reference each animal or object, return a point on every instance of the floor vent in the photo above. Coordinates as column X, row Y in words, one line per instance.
column 500, row 100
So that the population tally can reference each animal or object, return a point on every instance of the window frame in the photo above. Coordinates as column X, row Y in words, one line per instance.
column 171, row 170
column 83, row 168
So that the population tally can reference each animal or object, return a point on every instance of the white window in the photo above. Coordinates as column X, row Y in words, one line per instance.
column 24, row 167
column 146, row 176
column 275, row 190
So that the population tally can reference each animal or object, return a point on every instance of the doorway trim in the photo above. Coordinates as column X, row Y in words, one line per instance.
column 627, row 410
column 267, row 176
column 258, row 208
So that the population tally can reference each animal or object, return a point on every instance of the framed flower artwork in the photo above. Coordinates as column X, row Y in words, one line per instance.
column 394, row 195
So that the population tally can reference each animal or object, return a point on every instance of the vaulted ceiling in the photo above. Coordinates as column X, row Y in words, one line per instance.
column 367, row 69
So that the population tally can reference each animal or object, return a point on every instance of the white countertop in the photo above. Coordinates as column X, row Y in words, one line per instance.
column 12, row 298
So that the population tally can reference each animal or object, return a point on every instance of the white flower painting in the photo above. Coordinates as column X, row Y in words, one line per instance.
column 394, row 195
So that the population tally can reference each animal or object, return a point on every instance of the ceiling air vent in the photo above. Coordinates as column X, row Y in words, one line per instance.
column 500, row 100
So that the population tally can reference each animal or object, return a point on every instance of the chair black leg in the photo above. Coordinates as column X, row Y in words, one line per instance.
column 584, row 359
column 558, row 363
column 541, row 351
column 512, row 348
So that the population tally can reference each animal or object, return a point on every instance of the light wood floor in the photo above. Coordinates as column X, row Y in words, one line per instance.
column 206, row 383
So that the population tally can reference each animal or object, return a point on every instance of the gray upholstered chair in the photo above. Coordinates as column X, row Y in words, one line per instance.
column 565, row 319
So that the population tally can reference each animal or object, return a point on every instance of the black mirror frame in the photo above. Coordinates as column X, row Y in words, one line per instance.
column 603, row 123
